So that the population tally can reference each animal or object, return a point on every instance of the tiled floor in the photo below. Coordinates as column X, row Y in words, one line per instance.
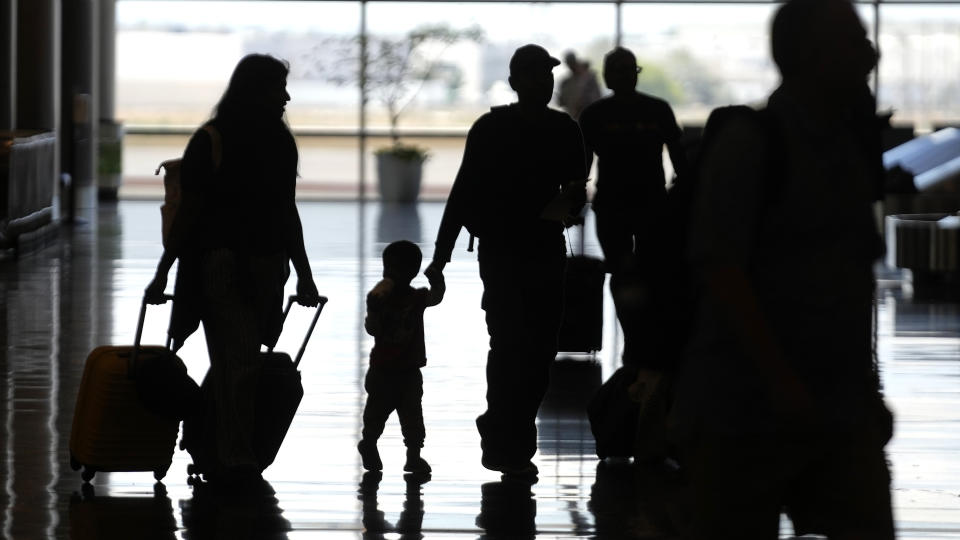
column 60, row 302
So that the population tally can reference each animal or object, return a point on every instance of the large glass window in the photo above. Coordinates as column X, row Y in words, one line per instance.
column 470, row 75
column 699, row 56
column 174, row 59
column 920, row 64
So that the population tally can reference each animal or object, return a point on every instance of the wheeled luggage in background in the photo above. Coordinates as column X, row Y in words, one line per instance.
column 632, row 422
column 582, row 328
column 614, row 417
column 278, row 395
column 113, row 429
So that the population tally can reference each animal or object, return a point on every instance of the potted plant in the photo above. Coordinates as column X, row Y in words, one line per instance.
column 394, row 70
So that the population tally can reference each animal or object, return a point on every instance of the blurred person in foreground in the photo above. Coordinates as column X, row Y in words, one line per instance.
column 778, row 404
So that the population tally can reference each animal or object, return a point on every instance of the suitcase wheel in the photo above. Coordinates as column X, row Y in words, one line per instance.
column 74, row 464
column 88, row 473
column 191, row 470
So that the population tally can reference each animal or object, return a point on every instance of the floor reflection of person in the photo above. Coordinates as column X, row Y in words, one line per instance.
column 252, row 514
column 507, row 510
column 375, row 524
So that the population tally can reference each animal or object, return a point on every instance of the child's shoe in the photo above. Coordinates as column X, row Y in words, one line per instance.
column 416, row 464
column 370, row 455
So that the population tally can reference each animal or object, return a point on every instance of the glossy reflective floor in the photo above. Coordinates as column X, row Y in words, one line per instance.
column 84, row 290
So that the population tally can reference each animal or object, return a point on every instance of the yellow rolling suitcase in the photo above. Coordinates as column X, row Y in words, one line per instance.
column 112, row 429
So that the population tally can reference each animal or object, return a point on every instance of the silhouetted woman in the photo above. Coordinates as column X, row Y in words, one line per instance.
column 235, row 232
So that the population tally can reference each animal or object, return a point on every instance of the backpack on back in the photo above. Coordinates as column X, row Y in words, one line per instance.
column 171, row 181
column 185, row 316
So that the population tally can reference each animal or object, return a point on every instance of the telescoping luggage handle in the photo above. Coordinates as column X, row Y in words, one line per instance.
column 136, row 340
column 582, row 222
column 313, row 324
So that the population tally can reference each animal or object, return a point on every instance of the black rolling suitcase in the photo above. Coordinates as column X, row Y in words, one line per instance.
column 614, row 417
column 278, row 395
column 582, row 328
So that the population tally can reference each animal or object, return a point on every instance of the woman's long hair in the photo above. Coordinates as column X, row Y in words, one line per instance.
column 243, row 113
column 254, row 77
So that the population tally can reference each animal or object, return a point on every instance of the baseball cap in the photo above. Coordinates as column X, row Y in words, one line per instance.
column 531, row 57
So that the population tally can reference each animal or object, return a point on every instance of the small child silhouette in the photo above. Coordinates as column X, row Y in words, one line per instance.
column 394, row 382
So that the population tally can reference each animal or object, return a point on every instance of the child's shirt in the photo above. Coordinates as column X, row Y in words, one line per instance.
column 395, row 320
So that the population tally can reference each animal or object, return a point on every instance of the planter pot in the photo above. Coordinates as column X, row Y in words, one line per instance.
column 398, row 179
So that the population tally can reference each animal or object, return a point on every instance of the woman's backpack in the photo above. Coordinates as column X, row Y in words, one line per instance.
column 171, row 181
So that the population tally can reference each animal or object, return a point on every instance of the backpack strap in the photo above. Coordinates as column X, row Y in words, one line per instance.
column 216, row 145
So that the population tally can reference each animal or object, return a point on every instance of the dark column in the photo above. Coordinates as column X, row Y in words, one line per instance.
column 110, row 152
column 32, row 446
column 38, row 57
column 107, row 71
column 8, row 64
column 79, row 108
column 37, row 72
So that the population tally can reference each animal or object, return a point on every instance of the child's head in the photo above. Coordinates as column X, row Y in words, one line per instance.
column 401, row 261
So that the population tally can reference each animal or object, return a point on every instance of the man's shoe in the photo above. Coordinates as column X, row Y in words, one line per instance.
column 416, row 464
column 489, row 463
column 370, row 455
column 527, row 469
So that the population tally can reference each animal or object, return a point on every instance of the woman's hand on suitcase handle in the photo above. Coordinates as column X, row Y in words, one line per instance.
column 154, row 291
column 307, row 294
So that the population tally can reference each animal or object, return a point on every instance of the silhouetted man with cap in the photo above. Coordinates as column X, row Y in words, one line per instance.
column 522, row 173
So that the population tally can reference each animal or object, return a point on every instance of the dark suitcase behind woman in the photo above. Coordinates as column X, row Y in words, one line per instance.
column 581, row 330
column 129, row 407
column 279, row 391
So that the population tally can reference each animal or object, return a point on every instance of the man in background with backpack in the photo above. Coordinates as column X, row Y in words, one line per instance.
column 522, row 173
column 777, row 404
